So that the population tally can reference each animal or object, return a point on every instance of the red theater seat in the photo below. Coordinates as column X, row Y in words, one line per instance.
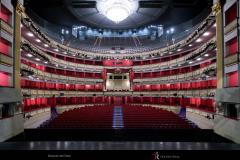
column 149, row 117
column 94, row 117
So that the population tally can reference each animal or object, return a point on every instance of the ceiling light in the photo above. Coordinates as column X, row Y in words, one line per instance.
column 172, row 30
column 56, row 50
column 45, row 45
column 214, row 25
column 46, row 62
column 199, row 59
column 206, row 34
column 190, row 62
column 179, row 49
column 37, row 59
column 29, row 55
column 199, row 40
column 117, row 10
column 190, row 45
column 38, row 40
column 30, row 34
column 206, row 55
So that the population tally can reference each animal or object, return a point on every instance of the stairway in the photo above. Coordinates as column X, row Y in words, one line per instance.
column 117, row 118
column 182, row 112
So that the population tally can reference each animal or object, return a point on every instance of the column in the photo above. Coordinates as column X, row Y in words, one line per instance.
column 18, row 10
column 217, row 10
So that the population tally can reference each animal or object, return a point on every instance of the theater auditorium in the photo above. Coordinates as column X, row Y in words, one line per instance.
column 119, row 74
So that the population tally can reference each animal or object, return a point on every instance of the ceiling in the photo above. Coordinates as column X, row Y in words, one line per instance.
column 84, row 12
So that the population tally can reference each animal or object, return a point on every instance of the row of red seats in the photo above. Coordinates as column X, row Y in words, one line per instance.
column 195, row 103
column 160, row 60
column 99, row 75
column 100, row 63
column 172, row 71
column 31, row 104
column 94, row 117
column 177, row 86
column 149, row 117
column 59, row 86
column 63, row 72
column 76, row 60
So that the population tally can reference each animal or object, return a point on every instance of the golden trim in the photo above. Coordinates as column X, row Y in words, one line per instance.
column 19, row 8
column 216, row 8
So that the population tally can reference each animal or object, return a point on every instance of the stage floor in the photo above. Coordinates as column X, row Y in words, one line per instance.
column 121, row 145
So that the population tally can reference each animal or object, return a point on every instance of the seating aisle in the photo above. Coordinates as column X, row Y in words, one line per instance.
column 118, row 118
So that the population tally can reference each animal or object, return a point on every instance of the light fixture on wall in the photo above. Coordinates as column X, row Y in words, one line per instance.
column 199, row 40
column 206, row 34
column 29, row 55
column 30, row 34
column 38, row 40
column 117, row 10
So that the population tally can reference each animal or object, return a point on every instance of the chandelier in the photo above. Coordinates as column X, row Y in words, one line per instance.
column 117, row 10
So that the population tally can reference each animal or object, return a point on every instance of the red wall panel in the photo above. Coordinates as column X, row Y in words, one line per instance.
column 231, row 14
column 5, row 14
column 233, row 79
column 232, row 46
column 4, row 46
column 4, row 79
column 118, row 63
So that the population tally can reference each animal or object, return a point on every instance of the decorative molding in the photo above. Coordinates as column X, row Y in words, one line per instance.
column 230, row 59
column 230, row 27
column 6, row 60
column 6, row 27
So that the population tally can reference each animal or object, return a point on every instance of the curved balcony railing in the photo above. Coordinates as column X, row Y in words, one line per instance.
column 202, row 27
column 64, row 78
column 173, row 63
column 194, row 75
column 54, row 61
column 187, row 28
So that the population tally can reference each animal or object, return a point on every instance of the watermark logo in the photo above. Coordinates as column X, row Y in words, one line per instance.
column 155, row 156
